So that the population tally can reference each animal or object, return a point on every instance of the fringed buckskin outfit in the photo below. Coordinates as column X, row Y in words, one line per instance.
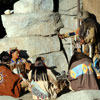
column 40, row 89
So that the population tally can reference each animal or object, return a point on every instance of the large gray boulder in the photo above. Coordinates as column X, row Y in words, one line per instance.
column 69, row 22
column 27, row 96
column 68, row 7
column 81, row 95
column 8, row 98
column 34, row 45
column 65, row 30
column 30, row 6
column 55, row 60
column 43, row 24
column 69, row 46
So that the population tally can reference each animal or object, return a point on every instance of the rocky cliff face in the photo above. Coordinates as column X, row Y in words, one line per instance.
column 93, row 7
column 33, row 27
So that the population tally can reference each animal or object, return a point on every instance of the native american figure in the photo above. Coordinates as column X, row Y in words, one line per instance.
column 87, row 36
column 87, row 32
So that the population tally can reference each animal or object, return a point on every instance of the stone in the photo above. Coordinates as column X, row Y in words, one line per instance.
column 81, row 95
column 27, row 96
column 69, row 22
column 68, row 7
column 65, row 30
column 68, row 41
column 8, row 98
column 55, row 60
column 33, row 45
column 69, row 46
column 92, row 7
column 31, row 6
column 17, row 25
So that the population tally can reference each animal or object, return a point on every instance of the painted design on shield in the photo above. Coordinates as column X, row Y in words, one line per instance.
column 1, row 78
column 81, row 69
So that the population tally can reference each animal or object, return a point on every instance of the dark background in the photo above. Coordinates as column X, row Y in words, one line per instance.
column 4, row 5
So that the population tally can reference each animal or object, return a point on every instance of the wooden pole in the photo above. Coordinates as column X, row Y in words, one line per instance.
column 78, row 10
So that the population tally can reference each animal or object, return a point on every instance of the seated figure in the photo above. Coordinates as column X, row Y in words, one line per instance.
column 43, row 83
column 40, row 61
column 81, row 74
column 18, row 65
column 9, row 82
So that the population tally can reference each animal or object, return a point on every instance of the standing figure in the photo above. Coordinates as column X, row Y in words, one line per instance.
column 86, row 34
